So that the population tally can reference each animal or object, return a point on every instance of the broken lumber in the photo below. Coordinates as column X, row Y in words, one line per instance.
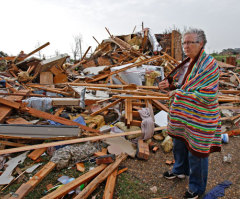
column 160, row 106
column 25, row 188
column 106, row 107
column 48, row 116
column 100, row 178
column 110, row 185
column 110, row 86
column 141, row 97
column 36, row 50
column 8, row 143
column 73, row 141
column 6, row 110
column 36, row 153
column 75, row 183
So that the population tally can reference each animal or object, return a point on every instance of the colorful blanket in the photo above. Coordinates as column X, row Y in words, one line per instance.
column 194, row 114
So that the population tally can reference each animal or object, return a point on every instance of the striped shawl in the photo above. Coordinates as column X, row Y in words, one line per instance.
column 194, row 113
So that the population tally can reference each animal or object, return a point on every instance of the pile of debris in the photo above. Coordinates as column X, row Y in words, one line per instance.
column 111, row 94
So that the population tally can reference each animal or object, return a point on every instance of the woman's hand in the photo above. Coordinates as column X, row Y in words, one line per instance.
column 163, row 84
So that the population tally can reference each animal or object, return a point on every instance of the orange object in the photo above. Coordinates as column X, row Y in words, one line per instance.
column 80, row 166
column 233, row 132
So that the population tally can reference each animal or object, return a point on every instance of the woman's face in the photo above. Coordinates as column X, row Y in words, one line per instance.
column 191, row 45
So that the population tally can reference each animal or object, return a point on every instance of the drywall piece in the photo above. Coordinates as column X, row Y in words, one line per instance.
column 32, row 168
column 120, row 145
column 94, row 70
column 136, row 75
column 161, row 118
column 6, row 177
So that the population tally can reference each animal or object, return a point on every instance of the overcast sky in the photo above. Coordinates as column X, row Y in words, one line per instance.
column 25, row 23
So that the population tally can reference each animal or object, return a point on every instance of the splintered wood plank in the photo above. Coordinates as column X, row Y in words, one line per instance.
column 25, row 188
column 8, row 143
column 59, row 111
column 106, row 107
column 18, row 120
column 128, row 112
column 120, row 79
column 37, row 153
column 100, row 178
column 41, row 114
column 160, row 106
column 122, row 170
column 136, row 123
column 10, row 103
column 141, row 97
column 50, row 90
column 110, row 185
column 62, row 191
column 6, row 110
column 73, row 141
column 46, row 78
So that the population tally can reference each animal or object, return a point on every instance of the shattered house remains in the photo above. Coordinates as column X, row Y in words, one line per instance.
column 103, row 108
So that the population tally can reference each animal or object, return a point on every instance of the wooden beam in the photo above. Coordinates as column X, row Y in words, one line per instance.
column 107, row 85
column 48, row 116
column 8, row 143
column 24, row 94
column 106, row 107
column 62, row 191
column 110, row 185
column 50, row 90
column 100, row 178
column 73, row 141
column 36, row 153
column 36, row 50
column 10, row 103
column 136, row 123
column 141, row 97
column 120, row 79
column 160, row 106
column 25, row 188
column 6, row 110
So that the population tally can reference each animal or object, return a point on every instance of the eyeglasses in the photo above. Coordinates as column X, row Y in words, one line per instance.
column 189, row 42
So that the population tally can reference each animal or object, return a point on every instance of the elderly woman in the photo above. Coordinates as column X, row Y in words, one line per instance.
column 194, row 114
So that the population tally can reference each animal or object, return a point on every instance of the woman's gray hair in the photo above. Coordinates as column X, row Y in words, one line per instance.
column 200, row 34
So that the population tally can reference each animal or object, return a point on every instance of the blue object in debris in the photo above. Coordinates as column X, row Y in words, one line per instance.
column 217, row 191
column 80, row 120
column 3, row 83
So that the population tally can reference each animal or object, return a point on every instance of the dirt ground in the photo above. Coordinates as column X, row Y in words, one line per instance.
column 150, row 173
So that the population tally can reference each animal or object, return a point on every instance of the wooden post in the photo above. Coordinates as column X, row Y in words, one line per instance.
column 100, row 178
column 75, row 183
column 110, row 185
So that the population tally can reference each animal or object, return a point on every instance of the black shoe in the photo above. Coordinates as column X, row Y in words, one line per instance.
column 189, row 195
column 170, row 175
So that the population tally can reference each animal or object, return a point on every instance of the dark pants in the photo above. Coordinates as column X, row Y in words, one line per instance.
column 189, row 164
